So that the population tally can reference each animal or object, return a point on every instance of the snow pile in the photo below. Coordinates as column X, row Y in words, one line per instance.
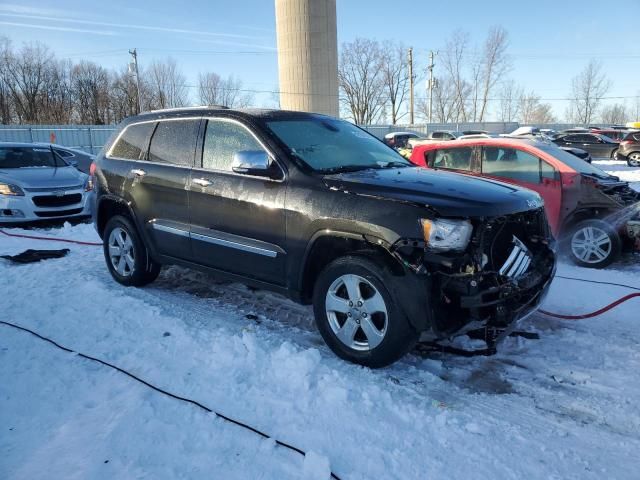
column 564, row 406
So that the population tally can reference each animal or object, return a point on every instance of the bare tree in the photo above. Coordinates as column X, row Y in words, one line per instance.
column 214, row 90
column 453, row 60
column 56, row 103
column 25, row 73
column 361, row 80
column 510, row 95
column 91, row 93
column 395, row 74
column 614, row 114
column 6, row 105
column 532, row 111
column 123, row 97
column 493, row 66
column 588, row 88
column 444, row 102
column 166, row 84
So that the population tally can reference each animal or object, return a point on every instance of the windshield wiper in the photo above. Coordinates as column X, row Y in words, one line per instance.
column 346, row 169
column 394, row 164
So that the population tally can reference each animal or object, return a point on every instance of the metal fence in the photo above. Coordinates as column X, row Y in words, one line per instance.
column 89, row 138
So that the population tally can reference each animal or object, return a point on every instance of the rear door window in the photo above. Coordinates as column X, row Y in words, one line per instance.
column 510, row 163
column 174, row 142
column 453, row 158
column 132, row 144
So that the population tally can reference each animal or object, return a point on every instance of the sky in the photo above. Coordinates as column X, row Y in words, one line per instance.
column 549, row 41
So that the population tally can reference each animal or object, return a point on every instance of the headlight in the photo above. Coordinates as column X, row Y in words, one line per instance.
column 442, row 235
column 13, row 190
column 88, row 184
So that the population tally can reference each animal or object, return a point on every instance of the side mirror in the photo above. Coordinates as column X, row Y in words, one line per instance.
column 252, row 162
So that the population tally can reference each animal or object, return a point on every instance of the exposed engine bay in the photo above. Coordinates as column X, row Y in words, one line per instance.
column 501, row 277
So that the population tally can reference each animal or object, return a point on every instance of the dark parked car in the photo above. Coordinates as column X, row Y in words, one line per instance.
column 630, row 149
column 613, row 133
column 599, row 146
column 319, row 210
column 578, row 152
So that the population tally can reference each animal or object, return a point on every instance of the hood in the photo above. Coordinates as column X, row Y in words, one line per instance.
column 449, row 194
column 40, row 177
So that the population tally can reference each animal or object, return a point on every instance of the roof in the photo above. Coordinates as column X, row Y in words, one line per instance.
column 267, row 114
column 393, row 134
column 488, row 141
column 21, row 144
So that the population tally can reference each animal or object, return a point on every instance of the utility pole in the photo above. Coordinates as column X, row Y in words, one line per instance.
column 431, row 84
column 411, row 86
column 134, row 55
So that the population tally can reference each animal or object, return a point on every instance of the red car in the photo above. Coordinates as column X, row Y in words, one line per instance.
column 594, row 214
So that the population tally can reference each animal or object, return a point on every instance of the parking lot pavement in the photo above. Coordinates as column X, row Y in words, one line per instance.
column 563, row 406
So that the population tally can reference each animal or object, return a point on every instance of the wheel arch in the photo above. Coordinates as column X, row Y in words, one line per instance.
column 327, row 245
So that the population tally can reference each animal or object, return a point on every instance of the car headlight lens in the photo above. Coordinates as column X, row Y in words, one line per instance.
column 442, row 235
column 88, row 184
column 12, row 190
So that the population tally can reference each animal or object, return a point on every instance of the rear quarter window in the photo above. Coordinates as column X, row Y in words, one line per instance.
column 132, row 144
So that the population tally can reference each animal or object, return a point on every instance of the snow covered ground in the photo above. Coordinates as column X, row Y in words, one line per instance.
column 622, row 170
column 564, row 406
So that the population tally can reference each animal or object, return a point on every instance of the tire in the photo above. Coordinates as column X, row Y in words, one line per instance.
column 376, row 332
column 127, row 257
column 614, row 154
column 594, row 244
column 633, row 159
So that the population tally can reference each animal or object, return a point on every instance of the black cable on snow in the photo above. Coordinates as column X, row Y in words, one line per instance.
column 162, row 391
column 596, row 281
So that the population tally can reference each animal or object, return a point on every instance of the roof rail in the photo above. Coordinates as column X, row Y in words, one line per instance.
column 198, row 107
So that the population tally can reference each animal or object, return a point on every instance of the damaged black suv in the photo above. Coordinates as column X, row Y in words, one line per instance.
column 321, row 211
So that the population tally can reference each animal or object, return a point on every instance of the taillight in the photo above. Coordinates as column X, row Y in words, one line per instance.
column 626, row 142
column 92, row 169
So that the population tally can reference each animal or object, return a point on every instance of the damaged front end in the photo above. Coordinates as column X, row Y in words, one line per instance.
column 501, row 277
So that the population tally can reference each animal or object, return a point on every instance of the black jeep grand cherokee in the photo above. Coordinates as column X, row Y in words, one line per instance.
column 323, row 212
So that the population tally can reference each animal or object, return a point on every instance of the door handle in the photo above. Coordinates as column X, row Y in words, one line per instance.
column 138, row 172
column 203, row 182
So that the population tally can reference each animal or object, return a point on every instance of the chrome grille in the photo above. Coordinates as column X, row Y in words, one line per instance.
column 518, row 260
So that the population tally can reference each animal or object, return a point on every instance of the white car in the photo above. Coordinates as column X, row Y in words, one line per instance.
column 38, row 184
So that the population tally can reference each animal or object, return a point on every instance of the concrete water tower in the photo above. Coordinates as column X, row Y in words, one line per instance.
column 308, row 55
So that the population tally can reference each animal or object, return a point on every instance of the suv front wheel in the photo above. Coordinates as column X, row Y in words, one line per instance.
column 357, row 316
column 126, row 255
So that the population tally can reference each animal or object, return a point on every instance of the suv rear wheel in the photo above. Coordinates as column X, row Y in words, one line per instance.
column 594, row 244
column 126, row 255
column 357, row 316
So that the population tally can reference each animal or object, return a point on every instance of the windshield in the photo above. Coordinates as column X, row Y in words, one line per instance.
column 574, row 162
column 330, row 145
column 29, row 157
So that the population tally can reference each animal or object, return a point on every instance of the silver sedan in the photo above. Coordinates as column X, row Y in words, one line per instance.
column 38, row 184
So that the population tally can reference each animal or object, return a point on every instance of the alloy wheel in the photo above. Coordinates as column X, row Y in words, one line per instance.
column 121, row 252
column 634, row 159
column 591, row 244
column 357, row 312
